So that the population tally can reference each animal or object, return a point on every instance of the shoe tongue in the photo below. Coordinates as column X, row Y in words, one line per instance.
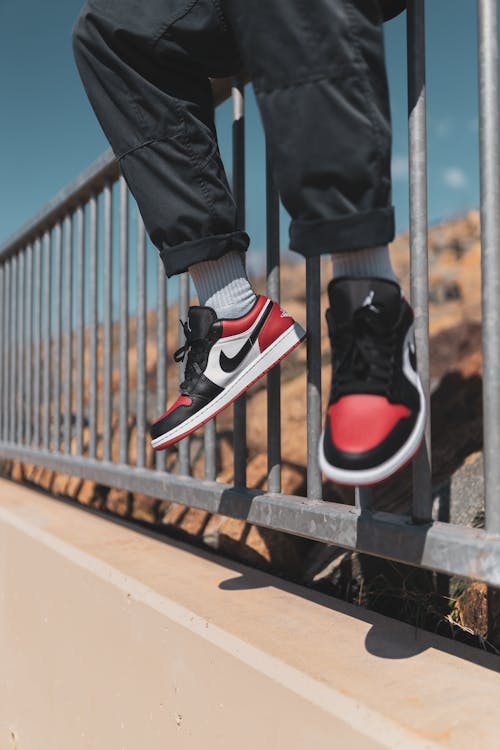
column 200, row 320
column 381, row 297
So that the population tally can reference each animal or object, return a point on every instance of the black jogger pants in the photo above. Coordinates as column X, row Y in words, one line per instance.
column 318, row 70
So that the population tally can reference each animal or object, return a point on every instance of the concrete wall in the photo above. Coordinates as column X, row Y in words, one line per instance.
column 114, row 640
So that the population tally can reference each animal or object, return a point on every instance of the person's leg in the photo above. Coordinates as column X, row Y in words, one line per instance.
column 374, row 261
column 146, row 65
column 319, row 75
column 223, row 285
column 151, row 93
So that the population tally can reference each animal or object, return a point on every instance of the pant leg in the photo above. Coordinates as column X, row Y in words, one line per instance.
column 145, row 66
column 319, row 75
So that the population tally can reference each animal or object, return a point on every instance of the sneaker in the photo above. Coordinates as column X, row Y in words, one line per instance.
column 224, row 358
column 375, row 419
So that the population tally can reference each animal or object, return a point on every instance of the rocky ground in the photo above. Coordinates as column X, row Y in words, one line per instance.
column 462, row 610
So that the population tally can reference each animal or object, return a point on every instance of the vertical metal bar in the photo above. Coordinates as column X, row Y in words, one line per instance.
column 80, row 311
column 184, row 463
column 417, row 138
column 108, row 319
column 13, row 351
column 47, row 344
column 273, row 291
column 240, row 416
column 20, row 349
column 68, row 332
column 313, row 281
column 29, row 345
column 490, row 255
column 3, row 350
column 38, row 340
column 57, row 337
column 123, row 342
column 2, row 346
column 161, row 355
column 93, row 223
column 141, row 342
column 210, row 449
column 7, row 348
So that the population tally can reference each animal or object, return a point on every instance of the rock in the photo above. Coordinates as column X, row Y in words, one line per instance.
column 443, row 290
column 118, row 501
column 471, row 609
column 60, row 484
column 17, row 472
column 87, row 492
column 461, row 499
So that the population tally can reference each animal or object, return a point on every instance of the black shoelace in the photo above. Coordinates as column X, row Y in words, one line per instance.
column 197, row 352
column 364, row 354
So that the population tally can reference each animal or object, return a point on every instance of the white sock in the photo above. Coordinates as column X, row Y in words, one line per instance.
column 374, row 261
column 223, row 285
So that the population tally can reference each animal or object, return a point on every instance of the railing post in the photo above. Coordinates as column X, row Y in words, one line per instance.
column 161, row 352
column 2, row 349
column 13, row 349
column 490, row 253
column 313, row 282
column 80, row 312
column 20, row 348
column 124, row 315
column 273, row 291
column 108, row 321
column 68, row 333
column 240, row 414
column 47, row 355
column 8, row 352
column 93, row 389
column 183, row 313
column 29, row 345
column 38, row 339
column 57, row 336
column 141, row 342
column 417, row 138
column 4, row 344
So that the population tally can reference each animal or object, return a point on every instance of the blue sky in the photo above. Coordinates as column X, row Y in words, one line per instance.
column 49, row 133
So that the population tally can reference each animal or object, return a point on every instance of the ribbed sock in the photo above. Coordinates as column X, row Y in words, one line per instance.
column 223, row 285
column 374, row 261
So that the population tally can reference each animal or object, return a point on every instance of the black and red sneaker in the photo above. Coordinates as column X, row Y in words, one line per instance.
column 225, row 357
column 376, row 414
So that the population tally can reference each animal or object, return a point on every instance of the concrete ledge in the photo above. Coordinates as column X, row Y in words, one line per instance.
column 111, row 639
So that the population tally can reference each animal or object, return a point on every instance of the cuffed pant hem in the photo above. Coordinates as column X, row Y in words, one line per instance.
column 354, row 232
column 178, row 259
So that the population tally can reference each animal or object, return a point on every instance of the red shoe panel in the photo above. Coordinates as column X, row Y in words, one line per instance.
column 181, row 401
column 276, row 324
column 361, row 421
column 232, row 326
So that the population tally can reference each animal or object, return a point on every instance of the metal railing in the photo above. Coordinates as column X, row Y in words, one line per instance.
column 56, row 319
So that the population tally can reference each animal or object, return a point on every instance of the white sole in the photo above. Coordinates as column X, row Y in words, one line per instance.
column 270, row 357
column 367, row 477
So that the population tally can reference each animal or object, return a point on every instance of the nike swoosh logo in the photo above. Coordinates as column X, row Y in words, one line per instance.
column 229, row 364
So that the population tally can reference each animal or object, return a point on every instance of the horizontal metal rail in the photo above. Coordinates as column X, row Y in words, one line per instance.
column 70, row 405
column 443, row 547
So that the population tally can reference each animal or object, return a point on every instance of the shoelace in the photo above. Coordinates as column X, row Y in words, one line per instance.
column 363, row 353
column 196, row 350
